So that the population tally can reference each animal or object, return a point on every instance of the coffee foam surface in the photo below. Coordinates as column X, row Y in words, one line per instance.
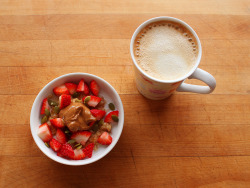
column 165, row 51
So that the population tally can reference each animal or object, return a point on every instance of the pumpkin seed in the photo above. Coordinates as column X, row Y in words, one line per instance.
column 47, row 112
column 75, row 95
column 57, row 109
column 101, row 122
column 71, row 141
column 79, row 147
column 115, row 118
column 52, row 103
column 75, row 146
column 87, row 99
column 78, row 100
column 46, row 144
column 67, row 131
column 111, row 106
column 44, row 119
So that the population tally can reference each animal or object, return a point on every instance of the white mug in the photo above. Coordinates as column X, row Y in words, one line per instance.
column 156, row 89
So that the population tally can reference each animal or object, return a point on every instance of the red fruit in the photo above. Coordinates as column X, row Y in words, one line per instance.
column 91, row 123
column 71, row 87
column 88, row 150
column 81, row 137
column 66, row 151
column 94, row 87
column 94, row 101
column 55, row 145
column 108, row 118
column 60, row 136
column 80, row 87
column 105, row 139
column 45, row 105
column 57, row 122
column 86, row 89
column 78, row 154
column 44, row 132
column 99, row 114
column 64, row 100
column 61, row 90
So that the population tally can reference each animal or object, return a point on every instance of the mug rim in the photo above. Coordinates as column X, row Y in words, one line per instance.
column 138, row 29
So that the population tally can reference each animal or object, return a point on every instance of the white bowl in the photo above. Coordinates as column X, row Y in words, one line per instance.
column 106, row 90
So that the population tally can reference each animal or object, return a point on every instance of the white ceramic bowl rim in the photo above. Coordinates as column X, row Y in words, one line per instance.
column 84, row 161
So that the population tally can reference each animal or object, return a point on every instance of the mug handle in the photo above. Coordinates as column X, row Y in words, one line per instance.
column 200, row 75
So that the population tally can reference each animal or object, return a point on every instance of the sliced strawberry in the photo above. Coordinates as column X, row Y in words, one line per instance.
column 55, row 145
column 86, row 89
column 105, row 139
column 88, row 150
column 66, row 151
column 81, row 137
column 60, row 136
column 108, row 118
column 78, row 154
column 64, row 100
column 94, row 87
column 45, row 105
column 71, row 87
column 57, row 122
column 93, row 101
column 44, row 132
column 91, row 123
column 99, row 114
column 80, row 87
column 60, row 90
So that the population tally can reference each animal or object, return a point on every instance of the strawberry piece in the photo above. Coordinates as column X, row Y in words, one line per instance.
column 78, row 154
column 80, row 87
column 64, row 100
column 71, row 88
column 45, row 105
column 81, row 137
column 44, row 132
column 60, row 90
column 105, row 139
column 108, row 118
column 99, row 114
column 88, row 150
column 94, row 101
column 86, row 89
column 60, row 136
column 66, row 151
column 55, row 145
column 91, row 123
column 57, row 122
column 94, row 87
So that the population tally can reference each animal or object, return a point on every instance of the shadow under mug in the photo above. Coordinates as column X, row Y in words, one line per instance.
column 156, row 89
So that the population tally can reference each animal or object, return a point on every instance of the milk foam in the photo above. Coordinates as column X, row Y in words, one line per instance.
column 165, row 51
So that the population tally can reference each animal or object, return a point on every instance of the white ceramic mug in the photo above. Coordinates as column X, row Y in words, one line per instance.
column 155, row 89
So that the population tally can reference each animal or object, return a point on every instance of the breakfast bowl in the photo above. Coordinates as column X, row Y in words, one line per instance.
column 106, row 91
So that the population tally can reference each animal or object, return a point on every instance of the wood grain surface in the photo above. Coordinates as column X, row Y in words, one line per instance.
column 188, row 140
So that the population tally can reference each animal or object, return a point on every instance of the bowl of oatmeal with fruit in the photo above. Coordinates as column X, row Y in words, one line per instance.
column 77, row 119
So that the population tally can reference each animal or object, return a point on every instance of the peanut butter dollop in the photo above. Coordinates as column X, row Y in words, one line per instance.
column 76, row 117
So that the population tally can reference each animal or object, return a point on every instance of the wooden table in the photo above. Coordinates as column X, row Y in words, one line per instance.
column 188, row 140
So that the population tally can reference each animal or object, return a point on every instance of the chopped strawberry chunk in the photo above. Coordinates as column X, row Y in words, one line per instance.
column 66, row 151
column 81, row 137
column 93, row 100
column 99, row 114
column 57, row 122
column 60, row 90
column 80, row 87
column 71, row 87
column 78, row 154
column 86, row 89
column 64, row 100
column 45, row 105
column 94, row 87
column 55, row 145
column 88, row 150
column 105, row 139
column 109, row 119
column 44, row 132
column 60, row 136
